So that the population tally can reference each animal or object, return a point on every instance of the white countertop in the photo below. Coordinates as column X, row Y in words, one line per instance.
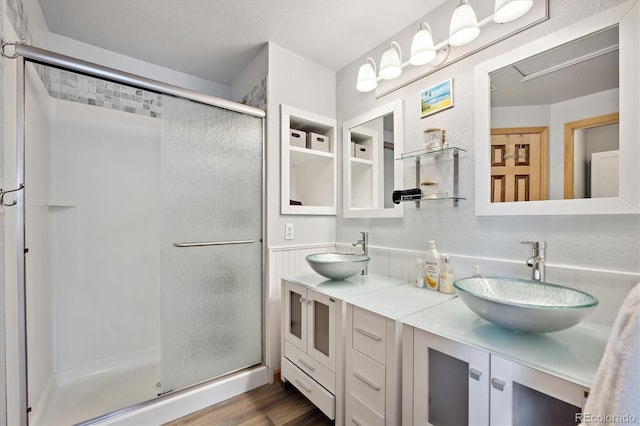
column 400, row 300
column 342, row 289
column 573, row 354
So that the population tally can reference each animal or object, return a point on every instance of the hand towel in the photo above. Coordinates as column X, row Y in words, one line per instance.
column 615, row 395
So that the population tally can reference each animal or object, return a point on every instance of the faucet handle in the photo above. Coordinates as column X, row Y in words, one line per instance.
column 535, row 246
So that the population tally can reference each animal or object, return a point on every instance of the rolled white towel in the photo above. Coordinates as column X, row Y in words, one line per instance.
column 615, row 395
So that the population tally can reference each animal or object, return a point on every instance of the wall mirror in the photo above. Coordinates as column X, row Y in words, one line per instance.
column 557, row 122
column 371, row 142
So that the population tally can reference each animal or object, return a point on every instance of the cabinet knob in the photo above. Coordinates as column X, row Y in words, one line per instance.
column 475, row 374
column 498, row 384
column 303, row 300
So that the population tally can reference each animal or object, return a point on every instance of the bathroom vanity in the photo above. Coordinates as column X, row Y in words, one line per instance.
column 461, row 369
column 371, row 350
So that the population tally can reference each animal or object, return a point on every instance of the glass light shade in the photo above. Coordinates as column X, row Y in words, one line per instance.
column 510, row 10
column 366, row 78
column 390, row 63
column 464, row 25
column 422, row 49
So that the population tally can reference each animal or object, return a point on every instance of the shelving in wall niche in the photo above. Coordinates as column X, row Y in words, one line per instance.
column 308, row 162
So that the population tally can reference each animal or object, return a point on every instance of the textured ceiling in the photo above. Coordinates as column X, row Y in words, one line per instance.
column 216, row 39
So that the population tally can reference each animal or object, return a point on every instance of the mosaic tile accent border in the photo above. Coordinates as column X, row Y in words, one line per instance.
column 257, row 97
column 73, row 87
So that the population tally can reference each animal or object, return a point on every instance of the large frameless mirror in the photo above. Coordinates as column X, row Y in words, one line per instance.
column 371, row 142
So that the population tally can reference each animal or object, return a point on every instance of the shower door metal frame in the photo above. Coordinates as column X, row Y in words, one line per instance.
column 24, row 53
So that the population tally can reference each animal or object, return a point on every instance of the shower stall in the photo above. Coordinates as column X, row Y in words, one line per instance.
column 142, row 219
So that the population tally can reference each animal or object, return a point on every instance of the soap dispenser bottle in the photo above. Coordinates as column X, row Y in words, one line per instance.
column 432, row 266
column 445, row 285
column 476, row 271
column 419, row 273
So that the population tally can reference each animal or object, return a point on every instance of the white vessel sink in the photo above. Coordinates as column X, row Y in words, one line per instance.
column 337, row 266
column 524, row 305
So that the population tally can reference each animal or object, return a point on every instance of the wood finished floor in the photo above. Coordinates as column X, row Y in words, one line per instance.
column 272, row 405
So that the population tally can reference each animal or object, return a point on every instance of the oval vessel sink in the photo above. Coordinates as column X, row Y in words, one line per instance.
column 337, row 266
column 524, row 305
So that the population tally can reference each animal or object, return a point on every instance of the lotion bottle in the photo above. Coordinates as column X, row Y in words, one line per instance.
column 445, row 285
column 432, row 267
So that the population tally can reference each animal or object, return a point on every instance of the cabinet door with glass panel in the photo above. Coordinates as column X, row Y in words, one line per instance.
column 309, row 323
column 457, row 384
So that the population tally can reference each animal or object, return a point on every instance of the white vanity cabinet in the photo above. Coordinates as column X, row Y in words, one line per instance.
column 373, row 348
column 313, row 327
column 460, row 369
column 309, row 347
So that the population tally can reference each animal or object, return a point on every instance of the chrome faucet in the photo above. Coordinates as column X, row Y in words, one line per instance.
column 364, row 242
column 537, row 259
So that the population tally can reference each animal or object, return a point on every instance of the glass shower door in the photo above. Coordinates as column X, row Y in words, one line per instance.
column 211, row 183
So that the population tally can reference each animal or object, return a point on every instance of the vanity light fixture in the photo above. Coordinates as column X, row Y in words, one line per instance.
column 463, row 29
column 391, row 62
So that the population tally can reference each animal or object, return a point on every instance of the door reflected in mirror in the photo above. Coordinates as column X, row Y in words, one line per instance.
column 554, row 122
column 371, row 144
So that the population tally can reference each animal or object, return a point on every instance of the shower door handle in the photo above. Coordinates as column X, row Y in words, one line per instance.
column 213, row 243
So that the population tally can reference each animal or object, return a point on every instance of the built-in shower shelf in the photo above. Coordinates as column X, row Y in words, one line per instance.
column 61, row 203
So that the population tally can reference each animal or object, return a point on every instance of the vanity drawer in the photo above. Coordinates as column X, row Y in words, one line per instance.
column 365, row 378
column 369, row 334
column 320, row 397
column 313, row 368
column 357, row 413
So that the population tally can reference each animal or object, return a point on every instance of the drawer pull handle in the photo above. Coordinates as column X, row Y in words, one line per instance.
column 305, row 365
column 369, row 335
column 475, row 374
column 303, row 386
column 356, row 421
column 498, row 384
column 366, row 381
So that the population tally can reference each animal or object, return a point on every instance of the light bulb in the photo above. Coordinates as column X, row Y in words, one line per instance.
column 510, row 10
column 390, row 63
column 422, row 49
column 367, row 76
column 464, row 25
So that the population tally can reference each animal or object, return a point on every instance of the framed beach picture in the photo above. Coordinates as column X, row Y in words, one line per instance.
column 436, row 98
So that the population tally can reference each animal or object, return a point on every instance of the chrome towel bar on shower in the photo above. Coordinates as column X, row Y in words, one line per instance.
column 213, row 243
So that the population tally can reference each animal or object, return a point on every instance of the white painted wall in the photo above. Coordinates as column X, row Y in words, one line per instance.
column 301, row 83
column 251, row 75
column 90, row 53
column 607, row 242
column 106, row 168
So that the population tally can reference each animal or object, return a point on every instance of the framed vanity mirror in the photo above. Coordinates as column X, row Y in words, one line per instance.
column 371, row 142
column 557, row 122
